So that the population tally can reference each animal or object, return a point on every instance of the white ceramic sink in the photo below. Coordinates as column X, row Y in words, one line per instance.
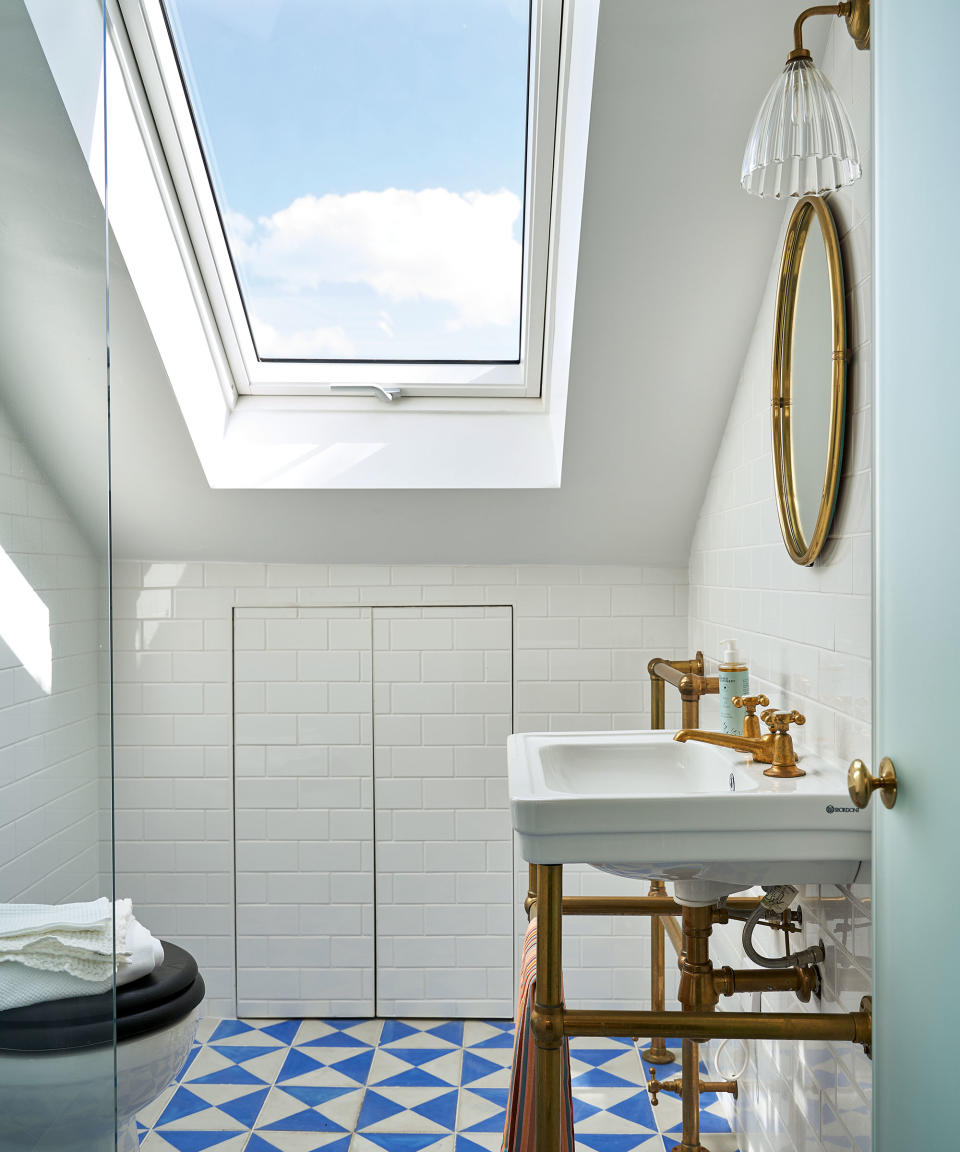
column 640, row 804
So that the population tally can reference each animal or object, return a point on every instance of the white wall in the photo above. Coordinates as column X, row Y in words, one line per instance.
column 582, row 640
column 52, row 764
column 807, row 635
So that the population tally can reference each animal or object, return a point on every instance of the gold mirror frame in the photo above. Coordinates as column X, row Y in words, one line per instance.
column 800, row 549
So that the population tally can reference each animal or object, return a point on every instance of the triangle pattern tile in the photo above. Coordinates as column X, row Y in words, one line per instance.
column 421, row 1110
column 243, row 1053
column 482, row 1071
column 709, row 1122
column 283, row 1030
column 325, row 1066
column 488, row 1034
column 450, row 1030
column 420, row 1034
column 480, row 1142
column 482, row 1110
column 149, row 1115
column 605, row 1067
column 187, row 1141
column 416, row 1067
column 402, row 1142
column 191, row 1056
column 338, row 1033
column 182, row 1103
column 582, row 1109
column 298, row 1142
column 311, row 1109
column 636, row 1108
column 228, row 1028
column 618, row 1142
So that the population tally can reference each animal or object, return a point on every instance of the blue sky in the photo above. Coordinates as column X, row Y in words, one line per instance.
column 306, row 104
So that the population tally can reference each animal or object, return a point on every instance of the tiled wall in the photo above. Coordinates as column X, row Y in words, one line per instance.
column 582, row 639
column 52, row 764
column 807, row 635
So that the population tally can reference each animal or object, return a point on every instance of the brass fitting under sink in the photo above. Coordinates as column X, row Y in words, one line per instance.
column 775, row 748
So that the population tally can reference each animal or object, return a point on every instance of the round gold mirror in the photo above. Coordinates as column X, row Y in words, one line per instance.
column 809, row 379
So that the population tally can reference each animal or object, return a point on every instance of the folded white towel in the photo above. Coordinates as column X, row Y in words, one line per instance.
column 78, row 939
column 21, row 984
column 146, row 953
column 16, row 919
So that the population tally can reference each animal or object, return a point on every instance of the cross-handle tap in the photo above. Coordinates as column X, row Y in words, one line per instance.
column 775, row 748
column 751, row 725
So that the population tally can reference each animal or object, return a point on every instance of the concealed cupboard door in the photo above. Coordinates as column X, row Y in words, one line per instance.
column 304, row 815
column 444, row 841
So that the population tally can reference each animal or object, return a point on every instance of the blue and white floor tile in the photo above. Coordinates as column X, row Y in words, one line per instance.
column 394, row 1086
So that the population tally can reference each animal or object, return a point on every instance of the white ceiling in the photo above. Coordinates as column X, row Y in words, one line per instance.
column 673, row 262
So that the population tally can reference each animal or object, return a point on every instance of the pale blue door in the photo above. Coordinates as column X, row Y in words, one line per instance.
column 917, row 458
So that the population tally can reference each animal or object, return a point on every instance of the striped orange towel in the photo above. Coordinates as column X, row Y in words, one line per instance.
column 518, row 1134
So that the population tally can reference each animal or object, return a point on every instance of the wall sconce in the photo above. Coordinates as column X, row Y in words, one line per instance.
column 802, row 141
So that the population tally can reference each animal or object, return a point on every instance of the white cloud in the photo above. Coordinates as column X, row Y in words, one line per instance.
column 318, row 343
column 432, row 245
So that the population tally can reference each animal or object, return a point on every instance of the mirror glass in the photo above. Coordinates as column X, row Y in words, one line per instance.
column 808, row 379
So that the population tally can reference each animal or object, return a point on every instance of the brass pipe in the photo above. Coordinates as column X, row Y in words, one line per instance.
column 547, row 1016
column 675, row 1086
column 687, row 677
column 697, row 991
column 657, row 703
column 673, row 671
column 672, row 928
column 645, row 906
column 690, row 1098
column 855, row 1027
column 803, row 981
column 819, row 10
column 657, row 1052
column 529, row 904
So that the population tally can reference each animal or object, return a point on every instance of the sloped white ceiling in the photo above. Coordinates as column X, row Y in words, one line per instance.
column 673, row 261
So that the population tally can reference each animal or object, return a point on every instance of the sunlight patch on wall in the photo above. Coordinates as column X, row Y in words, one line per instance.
column 25, row 623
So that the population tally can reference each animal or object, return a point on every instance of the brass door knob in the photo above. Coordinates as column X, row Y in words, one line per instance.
column 861, row 785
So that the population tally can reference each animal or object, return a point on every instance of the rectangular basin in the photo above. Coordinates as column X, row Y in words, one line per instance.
column 641, row 804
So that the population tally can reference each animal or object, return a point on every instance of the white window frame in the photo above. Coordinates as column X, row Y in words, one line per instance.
column 157, row 63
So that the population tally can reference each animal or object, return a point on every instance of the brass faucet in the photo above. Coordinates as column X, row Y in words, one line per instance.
column 775, row 748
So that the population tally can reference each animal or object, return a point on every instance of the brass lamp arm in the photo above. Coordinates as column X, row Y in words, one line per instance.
column 857, row 13
column 819, row 10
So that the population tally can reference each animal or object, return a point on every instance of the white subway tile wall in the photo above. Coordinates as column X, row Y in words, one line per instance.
column 53, row 765
column 303, row 790
column 175, row 769
column 443, row 707
column 807, row 635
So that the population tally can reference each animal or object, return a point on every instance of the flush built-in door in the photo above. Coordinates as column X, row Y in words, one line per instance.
column 444, row 841
column 304, row 812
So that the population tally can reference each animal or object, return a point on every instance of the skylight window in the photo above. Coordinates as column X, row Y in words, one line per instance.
column 366, row 183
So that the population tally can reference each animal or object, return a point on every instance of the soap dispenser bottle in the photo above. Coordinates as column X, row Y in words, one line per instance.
column 734, row 681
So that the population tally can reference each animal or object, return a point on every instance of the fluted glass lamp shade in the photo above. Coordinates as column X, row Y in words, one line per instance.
column 801, row 141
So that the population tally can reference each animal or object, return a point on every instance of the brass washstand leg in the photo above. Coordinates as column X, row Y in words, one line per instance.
column 697, row 994
column 547, row 1011
column 690, row 1098
column 658, row 1052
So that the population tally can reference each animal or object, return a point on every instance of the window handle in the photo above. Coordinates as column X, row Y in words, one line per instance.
column 387, row 394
